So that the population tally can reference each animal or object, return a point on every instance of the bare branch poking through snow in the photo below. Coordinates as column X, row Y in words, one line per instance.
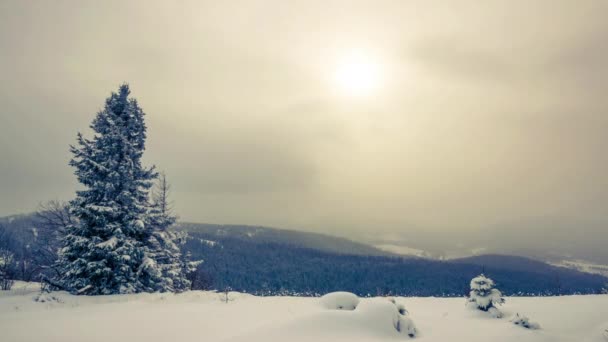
column 524, row 321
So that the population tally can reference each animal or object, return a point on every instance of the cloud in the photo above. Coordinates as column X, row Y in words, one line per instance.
column 491, row 111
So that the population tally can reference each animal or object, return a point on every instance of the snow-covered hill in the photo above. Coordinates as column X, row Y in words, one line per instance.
column 207, row 316
column 403, row 250
column 583, row 266
column 254, row 234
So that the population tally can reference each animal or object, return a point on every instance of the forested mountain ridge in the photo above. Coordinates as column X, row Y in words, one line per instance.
column 262, row 267
column 270, row 261
column 257, row 234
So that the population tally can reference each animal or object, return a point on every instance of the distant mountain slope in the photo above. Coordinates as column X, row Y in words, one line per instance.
column 17, row 220
column 582, row 266
column 275, row 268
column 23, row 224
column 507, row 262
column 20, row 227
column 530, row 265
column 321, row 242
column 275, row 261
column 559, row 277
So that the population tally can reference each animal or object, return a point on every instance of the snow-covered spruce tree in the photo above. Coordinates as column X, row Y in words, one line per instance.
column 163, row 244
column 104, row 252
column 484, row 296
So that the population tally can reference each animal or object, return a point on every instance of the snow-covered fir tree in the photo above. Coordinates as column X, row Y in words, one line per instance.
column 163, row 244
column 105, row 251
column 484, row 296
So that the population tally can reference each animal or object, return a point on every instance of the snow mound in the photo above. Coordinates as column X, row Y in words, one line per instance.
column 400, row 307
column 374, row 319
column 340, row 301
column 378, row 313
column 403, row 324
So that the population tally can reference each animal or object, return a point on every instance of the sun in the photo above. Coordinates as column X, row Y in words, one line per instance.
column 357, row 74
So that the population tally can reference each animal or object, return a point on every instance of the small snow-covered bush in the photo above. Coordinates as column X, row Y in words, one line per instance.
column 524, row 321
column 606, row 334
column 400, row 307
column 405, row 325
column 484, row 296
column 340, row 301
column 402, row 322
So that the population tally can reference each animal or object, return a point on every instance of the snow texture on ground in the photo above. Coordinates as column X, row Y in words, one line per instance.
column 27, row 316
column 340, row 301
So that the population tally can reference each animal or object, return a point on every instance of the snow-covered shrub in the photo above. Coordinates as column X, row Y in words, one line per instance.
column 524, row 321
column 376, row 313
column 403, row 323
column 340, row 301
column 400, row 307
column 377, row 310
column 606, row 334
column 484, row 296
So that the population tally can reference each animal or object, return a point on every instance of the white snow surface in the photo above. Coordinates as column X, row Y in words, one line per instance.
column 203, row 316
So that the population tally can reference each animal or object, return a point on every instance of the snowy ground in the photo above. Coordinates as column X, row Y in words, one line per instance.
column 204, row 316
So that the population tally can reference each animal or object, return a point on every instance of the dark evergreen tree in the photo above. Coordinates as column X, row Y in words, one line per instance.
column 104, row 252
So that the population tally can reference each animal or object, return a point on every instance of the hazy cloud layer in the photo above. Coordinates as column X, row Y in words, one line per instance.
column 490, row 111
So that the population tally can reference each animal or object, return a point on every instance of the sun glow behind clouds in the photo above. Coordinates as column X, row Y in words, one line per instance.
column 357, row 74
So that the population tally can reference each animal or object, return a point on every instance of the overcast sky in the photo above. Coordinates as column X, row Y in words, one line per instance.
column 487, row 111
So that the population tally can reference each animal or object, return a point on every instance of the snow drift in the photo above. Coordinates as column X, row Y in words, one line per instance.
column 202, row 316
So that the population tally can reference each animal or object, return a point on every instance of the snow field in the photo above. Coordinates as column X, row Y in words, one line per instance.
column 203, row 316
